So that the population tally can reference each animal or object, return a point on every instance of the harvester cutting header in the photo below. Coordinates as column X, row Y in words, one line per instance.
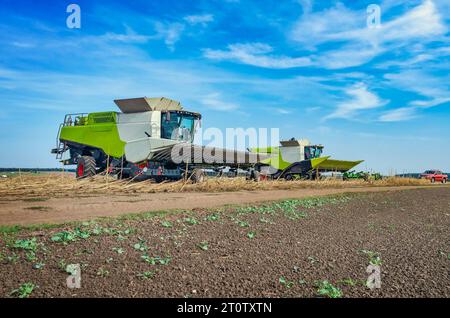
column 146, row 136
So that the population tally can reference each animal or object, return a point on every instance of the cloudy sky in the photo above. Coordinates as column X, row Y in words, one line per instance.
column 313, row 69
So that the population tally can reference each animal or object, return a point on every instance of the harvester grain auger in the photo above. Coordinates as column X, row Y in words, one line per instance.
column 142, row 139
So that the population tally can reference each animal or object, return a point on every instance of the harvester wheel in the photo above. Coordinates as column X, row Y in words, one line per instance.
column 254, row 175
column 85, row 167
column 433, row 180
column 198, row 176
column 288, row 177
column 444, row 180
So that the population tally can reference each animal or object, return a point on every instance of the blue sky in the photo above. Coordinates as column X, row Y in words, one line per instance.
column 311, row 68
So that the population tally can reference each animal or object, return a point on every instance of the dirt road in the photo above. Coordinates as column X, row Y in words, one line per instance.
column 27, row 211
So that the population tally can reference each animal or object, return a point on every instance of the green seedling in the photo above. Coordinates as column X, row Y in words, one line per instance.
column 191, row 221
column 38, row 266
column 325, row 288
column 30, row 256
column 156, row 260
column 203, row 245
column 141, row 246
column 146, row 275
column 64, row 237
column 212, row 217
column 374, row 257
column 24, row 291
column 62, row 265
column 166, row 224
column 29, row 245
column 242, row 223
column 118, row 250
column 285, row 283
column 251, row 235
column 102, row 272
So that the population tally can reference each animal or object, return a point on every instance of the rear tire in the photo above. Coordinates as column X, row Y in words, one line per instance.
column 444, row 180
column 85, row 167
column 288, row 177
column 433, row 180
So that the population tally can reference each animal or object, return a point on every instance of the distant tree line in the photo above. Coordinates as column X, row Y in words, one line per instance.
column 34, row 170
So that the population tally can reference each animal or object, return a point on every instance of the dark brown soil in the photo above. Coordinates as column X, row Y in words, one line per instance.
column 299, row 242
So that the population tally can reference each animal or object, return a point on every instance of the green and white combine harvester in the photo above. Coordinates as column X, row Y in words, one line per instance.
column 153, row 137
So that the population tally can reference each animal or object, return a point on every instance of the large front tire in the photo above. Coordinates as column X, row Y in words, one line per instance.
column 85, row 167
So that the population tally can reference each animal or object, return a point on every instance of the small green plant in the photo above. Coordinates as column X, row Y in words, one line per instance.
column 30, row 256
column 64, row 237
column 102, row 272
column 29, row 245
column 82, row 234
column 203, row 245
column 13, row 258
column 118, row 250
column 251, row 235
column 146, row 275
column 374, row 257
column 285, row 283
column 312, row 260
column 166, row 224
column 347, row 282
column 38, row 265
column 157, row 260
column 242, row 223
column 62, row 265
column 24, row 291
column 325, row 288
column 141, row 246
column 212, row 217
column 191, row 221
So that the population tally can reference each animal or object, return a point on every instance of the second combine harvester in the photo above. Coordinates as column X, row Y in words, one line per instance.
column 139, row 141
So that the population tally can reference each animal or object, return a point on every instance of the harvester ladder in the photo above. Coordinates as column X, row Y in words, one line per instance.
column 60, row 146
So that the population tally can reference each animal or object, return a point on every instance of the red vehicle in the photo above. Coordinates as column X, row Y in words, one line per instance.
column 434, row 175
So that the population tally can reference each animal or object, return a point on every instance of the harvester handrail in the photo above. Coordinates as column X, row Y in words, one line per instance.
column 70, row 119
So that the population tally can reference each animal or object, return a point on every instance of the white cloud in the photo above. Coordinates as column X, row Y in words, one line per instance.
column 433, row 88
column 256, row 54
column 203, row 19
column 170, row 32
column 361, row 44
column 399, row 114
column 360, row 99
column 215, row 101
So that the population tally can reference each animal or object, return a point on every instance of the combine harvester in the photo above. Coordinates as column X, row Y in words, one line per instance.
column 141, row 140
column 297, row 159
